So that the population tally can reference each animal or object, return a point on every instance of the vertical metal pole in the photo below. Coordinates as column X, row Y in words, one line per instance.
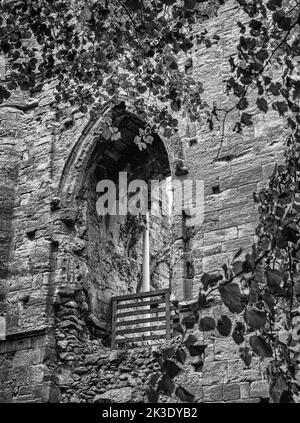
column 146, row 266
column 168, row 316
column 146, row 257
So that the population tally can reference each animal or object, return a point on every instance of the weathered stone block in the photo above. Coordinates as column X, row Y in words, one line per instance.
column 25, row 390
column 190, row 380
column 231, row 391
column 244, row 390
column 247, row 401
column 220, row 235
column 23, row 399
column 27, row 357
column 237, row 215
column 234, row 245
column 214, row 372
column 225, row 348
column 36, row 374
column 5, row 396
column 212, row 393
column 246, row 230
column 242, row 177
column 216, row 261
column 115, row 395
column 238, row 372
column 260, row 389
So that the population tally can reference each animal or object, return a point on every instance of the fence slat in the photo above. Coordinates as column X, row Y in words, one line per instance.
column 139, row 339
column 138, row 312
column 139, row 321
column 135, row 308
column 141, row 304
column 135, row 330
column 141, row 295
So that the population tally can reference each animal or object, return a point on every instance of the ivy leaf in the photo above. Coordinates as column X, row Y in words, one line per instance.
column 238, row 333
column 189, row 321
column 260, row 346
column 262, row 55
column 190, row 340
column 152, row 395
column 274, row 4
column 168, row 353
column 269, row 301
column 154, row 378
column 168, row 2
column 285, row 23
column 195, row 350
column 166, row 385
column 246, row 119
column 231, row 296
column 238, row 253
column 173, row 65
column 275, row 88
column 256, row 319
column 277, row 388
column 296, row 94
column 141, row 88
column 189, row 4
column 180, row 355
column 281, row 107
column 171, row 368
column 255, row 24
column 206, row 324
column 224, row 325
column 274, row 279
column 184, row 395
column 178, row 328
column 262, row 104
column 209, row 280
column 188, row 66
column 158, row 80
column 290, row 234
column 134, row 4
column 201, row 301
column 246, row 356
column 4, row 94
column 237, row 267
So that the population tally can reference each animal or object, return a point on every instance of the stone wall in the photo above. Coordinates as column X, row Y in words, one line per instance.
column 88, row 372
column 46, row 258
column 25, row 374
column 232, row 165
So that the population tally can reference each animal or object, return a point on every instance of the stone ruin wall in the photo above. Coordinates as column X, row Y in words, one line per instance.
column 53, row 350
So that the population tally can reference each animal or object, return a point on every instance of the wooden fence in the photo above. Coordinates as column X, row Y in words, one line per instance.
column 145, row 316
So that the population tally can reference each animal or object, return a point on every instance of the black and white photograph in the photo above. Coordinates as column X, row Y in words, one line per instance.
column 149, row 206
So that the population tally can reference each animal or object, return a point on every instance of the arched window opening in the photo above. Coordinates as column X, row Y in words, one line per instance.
column 115, row 242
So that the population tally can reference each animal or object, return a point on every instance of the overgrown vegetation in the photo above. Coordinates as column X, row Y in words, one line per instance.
column 102, row 51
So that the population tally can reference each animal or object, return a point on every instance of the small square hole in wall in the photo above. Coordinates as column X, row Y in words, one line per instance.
column 31, row 234
column 193, row 142
column 55, row 246
column 216, row 189
column 25, row 300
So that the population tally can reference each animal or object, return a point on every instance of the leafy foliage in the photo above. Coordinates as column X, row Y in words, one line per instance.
column 99, row 52
column 263, row 289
